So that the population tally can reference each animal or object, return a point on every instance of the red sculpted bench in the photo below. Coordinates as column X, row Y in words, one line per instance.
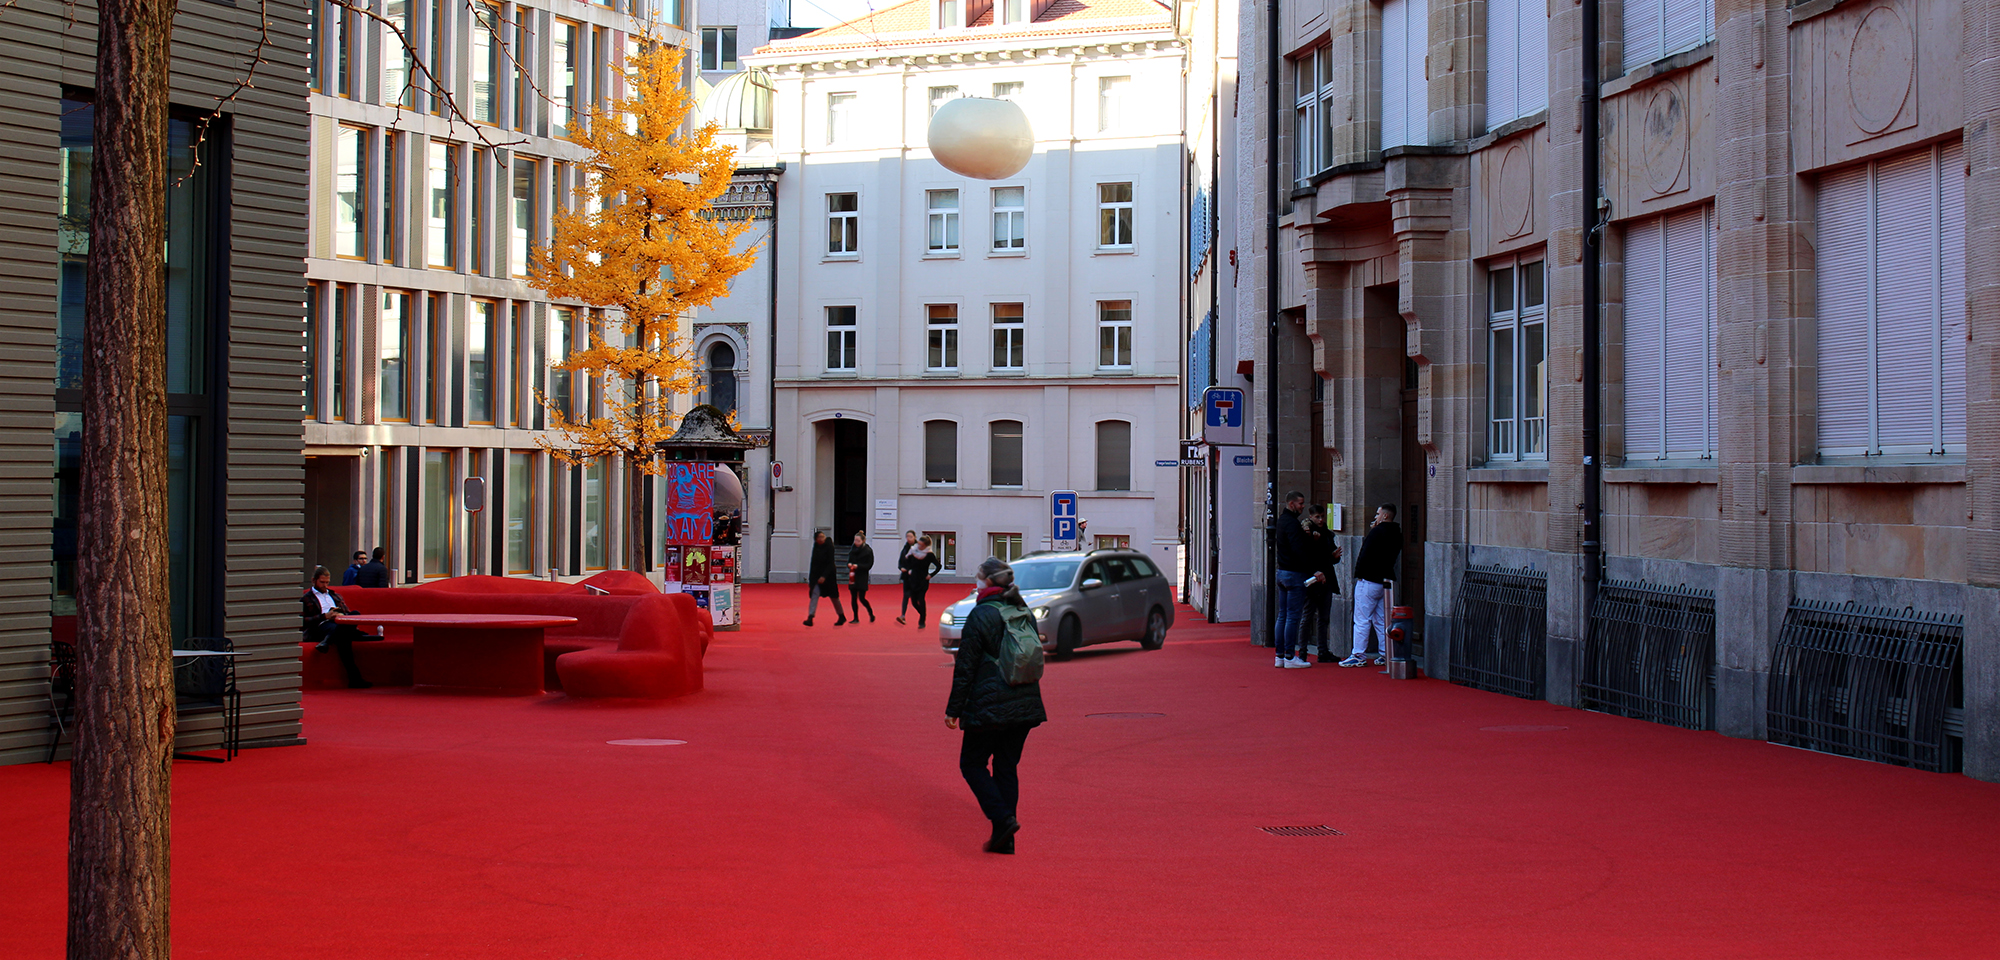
column 633, row 642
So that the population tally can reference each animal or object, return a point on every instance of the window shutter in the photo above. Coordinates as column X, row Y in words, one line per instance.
column 1644, row 299
column 1533, row 56
column 1405, row 92
column 1952, row 187
column 1687, row 334
column 1906, row 294
column 1503, row 65
column 1844, row 257
column 1642, row 31
column 1685, row 25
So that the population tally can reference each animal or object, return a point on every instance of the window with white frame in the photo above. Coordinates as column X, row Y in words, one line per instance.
column 941, row 96
column 840, row 330
column 1670, row 337
column 1005, row 449
column 1114, row 455
column 1891, row 279
column 1114, row 216
column 1517, row 60
column 718, row 48
column 1517, row 361
column 843, row 223
column 1009, row 90
column 941, row 337
column 1660, row 28
column 940, row 453
column 941, row 209
column 1010, row 219
column 1113, row 110
column 839, row 117
column 1114, row 335
column 1006, row 546
column 1406, row 96
column 1010, row 336
column 1011, row 11
column 948, row 16
column 1312, row 126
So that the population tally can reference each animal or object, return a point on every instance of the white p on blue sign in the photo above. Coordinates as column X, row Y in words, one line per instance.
column 1062, row 516
column 1224, row 417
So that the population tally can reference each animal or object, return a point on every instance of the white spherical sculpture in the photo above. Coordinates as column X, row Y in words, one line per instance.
column 982, row 139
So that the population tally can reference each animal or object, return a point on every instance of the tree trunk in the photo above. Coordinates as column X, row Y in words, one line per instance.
column 119, row 777
column 638, row 539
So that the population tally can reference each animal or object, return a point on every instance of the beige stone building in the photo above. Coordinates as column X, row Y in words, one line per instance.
column 1795, row 422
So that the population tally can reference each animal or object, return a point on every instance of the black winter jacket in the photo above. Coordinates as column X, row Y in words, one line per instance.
column 1379, row 551
column 819, row 572
column 980, row 697
column 862, row 559
column 1296, row 549
column 373, row 574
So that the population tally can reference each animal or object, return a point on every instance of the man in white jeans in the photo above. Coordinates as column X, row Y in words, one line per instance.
column 1373, row 570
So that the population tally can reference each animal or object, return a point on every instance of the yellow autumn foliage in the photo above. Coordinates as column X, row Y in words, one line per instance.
column 636, row 241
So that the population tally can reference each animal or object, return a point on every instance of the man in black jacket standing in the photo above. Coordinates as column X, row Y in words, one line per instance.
column 1298, row 561
column 860, row 561
column 820, row 580
column 374, row 573
column 995, row 715
column 1373, row 570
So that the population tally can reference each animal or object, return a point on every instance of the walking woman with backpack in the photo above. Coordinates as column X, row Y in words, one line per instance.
column 996, row 697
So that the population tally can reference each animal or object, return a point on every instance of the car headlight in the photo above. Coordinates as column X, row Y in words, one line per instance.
column 1041, row 613
column 946, row 620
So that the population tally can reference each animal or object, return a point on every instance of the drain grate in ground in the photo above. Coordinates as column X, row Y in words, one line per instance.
column 1122, row 716
column 1320, row 831
column 645, row 742
column 1525, row 728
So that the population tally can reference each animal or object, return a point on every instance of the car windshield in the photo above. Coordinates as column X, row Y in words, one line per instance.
column 1044, row 574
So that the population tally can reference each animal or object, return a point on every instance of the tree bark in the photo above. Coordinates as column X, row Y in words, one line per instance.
column 119, row 777
column 638, row 539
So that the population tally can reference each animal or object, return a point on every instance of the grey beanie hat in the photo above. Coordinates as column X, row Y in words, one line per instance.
column 995, row 571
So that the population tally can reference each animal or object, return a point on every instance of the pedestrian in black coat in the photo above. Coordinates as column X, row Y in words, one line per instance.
column 919, row 565
column 860, row 561
column 374, row 573
column 995, row 715
column 820, row 579
column 902, row 575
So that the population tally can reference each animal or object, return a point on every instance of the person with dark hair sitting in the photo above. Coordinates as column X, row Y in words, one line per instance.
column 322, row 609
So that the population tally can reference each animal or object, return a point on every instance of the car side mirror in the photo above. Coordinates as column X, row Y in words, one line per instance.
column 1091, row 584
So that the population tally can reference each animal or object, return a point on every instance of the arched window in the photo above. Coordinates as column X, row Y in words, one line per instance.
column 722, row 376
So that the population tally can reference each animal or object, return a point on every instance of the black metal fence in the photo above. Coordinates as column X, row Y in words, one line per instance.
column 1503, row 621
column 1652, row 654
column 1868, row 682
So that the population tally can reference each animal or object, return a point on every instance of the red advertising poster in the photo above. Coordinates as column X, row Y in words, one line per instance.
column 690, row 514
column 694, row 565
column 722, row 565
column 671, row 565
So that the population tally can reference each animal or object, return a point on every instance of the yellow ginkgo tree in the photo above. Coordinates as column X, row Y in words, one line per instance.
column 638, row 241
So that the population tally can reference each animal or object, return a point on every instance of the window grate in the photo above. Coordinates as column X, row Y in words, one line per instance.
column 1652, row 654
column 1319, row 831
column 1868, row 682
column 1502, row 628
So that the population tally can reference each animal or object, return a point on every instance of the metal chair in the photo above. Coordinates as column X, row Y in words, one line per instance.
column 62, row 692
column 208, row 685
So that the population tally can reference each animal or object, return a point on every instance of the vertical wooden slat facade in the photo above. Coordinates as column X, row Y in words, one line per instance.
column 254, row 482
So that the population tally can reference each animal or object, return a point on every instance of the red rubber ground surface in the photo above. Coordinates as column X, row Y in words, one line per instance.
column 816, row 811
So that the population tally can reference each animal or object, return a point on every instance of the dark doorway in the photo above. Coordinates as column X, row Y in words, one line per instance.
column 1410, row 588
column 329, row 518
column 850, row 479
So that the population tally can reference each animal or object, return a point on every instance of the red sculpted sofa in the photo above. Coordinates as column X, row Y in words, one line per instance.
column 629, row 641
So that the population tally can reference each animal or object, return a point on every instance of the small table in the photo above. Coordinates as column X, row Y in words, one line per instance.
column 477, row 652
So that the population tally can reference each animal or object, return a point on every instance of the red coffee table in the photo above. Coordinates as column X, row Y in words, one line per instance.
column 479, row 652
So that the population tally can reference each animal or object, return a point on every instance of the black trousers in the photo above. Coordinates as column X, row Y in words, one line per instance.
column 342, row 636
column 998, row 791
column 916, row 593
column 857, row 597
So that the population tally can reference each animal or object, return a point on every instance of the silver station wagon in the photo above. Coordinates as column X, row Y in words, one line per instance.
column 1081, row 598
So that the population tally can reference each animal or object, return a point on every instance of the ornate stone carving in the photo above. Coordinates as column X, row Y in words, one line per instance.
column 1514, row 198
column 1882, row 72
column 1664, row 138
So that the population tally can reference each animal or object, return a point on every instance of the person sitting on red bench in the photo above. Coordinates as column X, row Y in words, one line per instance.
column 321, row 608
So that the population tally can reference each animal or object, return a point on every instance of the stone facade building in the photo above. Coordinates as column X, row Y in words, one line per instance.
column 1795, row 406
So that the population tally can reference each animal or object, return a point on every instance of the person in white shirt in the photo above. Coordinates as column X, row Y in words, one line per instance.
column 321, row 609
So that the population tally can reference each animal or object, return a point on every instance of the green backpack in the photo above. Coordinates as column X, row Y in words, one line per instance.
column 1020, row 653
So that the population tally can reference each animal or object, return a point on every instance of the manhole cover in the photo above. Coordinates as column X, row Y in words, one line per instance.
column 1525, row 728
column 1320, row 831
column 645, row 742
column 1122, row 716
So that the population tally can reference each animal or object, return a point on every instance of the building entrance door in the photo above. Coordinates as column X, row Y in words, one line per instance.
column 330, row 527
column 850, row 480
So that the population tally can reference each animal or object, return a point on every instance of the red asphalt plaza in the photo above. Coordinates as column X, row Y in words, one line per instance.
column 815, row 810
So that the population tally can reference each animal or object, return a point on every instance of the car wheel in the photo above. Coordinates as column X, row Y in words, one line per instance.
column 1156, row 630
column 1068, row 634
